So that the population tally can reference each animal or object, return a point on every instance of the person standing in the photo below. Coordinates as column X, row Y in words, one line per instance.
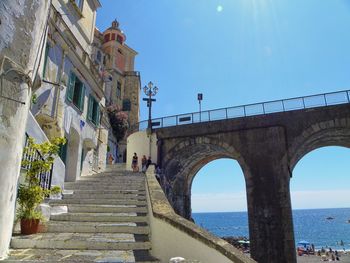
column 144, row 163
column 134, row 164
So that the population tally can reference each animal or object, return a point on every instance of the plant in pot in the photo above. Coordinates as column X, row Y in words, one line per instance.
column 31, row 194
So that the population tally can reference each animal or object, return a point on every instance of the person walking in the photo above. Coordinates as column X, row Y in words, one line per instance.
column 134, row 164
column 144, row 163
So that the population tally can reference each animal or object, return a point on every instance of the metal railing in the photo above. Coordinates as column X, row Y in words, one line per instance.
column 297, row 103
column 44, row 177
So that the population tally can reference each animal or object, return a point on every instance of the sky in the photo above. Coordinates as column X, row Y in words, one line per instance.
column 238, row 52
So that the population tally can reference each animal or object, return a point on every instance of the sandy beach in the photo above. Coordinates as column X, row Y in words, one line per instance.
column 345, row 258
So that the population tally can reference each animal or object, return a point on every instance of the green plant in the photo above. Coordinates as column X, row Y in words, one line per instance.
column 119, row 122
column 30, row 193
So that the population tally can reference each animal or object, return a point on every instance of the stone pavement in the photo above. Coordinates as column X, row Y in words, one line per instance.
column 103, row 218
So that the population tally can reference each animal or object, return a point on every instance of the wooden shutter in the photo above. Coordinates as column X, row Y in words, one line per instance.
column 71, row 84
column 90, row 108
column 82, row 97
column 98, row 115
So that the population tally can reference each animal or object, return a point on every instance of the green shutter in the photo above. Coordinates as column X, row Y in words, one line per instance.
column 63, row 152
column 98, row 115
column 82, row 97
column 45, row 59
column 90, row 108
column 71, row 84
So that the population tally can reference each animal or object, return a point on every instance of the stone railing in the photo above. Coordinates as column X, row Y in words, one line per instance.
column 173, row 235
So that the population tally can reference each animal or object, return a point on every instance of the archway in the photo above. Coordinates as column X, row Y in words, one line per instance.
column 319, row 189
column 218, row 198
column 73, row 156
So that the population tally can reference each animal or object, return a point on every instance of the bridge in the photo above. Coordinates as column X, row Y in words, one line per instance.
column 267, row 140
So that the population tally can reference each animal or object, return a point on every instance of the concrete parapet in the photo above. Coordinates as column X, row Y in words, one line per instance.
column 173, row 235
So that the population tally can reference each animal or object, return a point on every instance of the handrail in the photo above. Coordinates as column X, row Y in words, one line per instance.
column 253, row 109
column 45, row 178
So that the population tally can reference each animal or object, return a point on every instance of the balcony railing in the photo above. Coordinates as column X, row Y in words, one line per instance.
column 44, row 177
column 298, row 103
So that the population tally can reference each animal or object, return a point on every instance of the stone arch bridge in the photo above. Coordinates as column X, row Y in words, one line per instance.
column 267, row 147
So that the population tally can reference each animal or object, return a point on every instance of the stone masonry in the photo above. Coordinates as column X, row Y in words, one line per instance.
column 267, row 147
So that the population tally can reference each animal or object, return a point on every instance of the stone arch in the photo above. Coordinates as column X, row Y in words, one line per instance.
column 185, row 159
column 330, row 133
column 73, row 156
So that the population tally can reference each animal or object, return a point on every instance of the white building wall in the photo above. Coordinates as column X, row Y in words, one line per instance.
column 141, row 144
column 33, row 130
column 22, row 32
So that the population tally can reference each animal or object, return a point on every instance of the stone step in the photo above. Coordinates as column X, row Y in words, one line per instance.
column 94, row 208
column 77, row 256
column 94, row 241
column 68, row 255
column 105, row 191
column 114, row 175
column 97, row 201
column 104, row 196
column 100, row 217
column 96, row 227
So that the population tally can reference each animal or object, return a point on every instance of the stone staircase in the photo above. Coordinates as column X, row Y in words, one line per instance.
column 106, row 221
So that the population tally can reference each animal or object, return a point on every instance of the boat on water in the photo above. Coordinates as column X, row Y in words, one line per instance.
column 330, row 218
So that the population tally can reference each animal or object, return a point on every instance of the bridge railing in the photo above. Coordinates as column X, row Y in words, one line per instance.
column 297, row 103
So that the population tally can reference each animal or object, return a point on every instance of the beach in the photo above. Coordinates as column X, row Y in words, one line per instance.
column 344, row 258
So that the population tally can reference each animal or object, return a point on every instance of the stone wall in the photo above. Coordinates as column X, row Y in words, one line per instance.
column 22, row 34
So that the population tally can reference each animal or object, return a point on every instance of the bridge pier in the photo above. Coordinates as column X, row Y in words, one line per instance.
column 268, row 195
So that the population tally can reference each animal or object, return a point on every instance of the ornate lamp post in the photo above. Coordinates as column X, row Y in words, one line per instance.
column 150, row 91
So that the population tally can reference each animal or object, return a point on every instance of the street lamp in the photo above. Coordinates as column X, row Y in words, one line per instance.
column 149, row 91
column 200, row 98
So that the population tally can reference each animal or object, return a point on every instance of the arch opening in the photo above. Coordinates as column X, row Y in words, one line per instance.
column 218, row 198
column 320, row 196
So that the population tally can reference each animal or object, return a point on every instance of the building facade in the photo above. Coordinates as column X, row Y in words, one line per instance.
column 70, row 100
column 122, row 89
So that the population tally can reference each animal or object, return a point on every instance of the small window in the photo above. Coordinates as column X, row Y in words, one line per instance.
column 107, row 37
column 120, row 39
column 76, row 91
column 79, row 3
column 93, row 111
column 126, row 105
column 113, row 36
column 119, row 89
column 120, row 51
column 99, row 56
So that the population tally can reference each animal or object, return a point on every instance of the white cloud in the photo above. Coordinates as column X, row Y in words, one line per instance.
column 219, row 8
column 230, row 202
column 225, row 202
column 320, row 199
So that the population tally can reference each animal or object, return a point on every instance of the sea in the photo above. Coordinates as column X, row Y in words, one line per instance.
column 311, row 225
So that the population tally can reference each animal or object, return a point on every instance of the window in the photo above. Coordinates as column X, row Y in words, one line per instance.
column 63, row 151
column 126, row 105
column 76, row 91
column 107, row 37
column 93, row 111
column 119, row 89
column 47, row 49
column 79, row 3
column 120, row 39
column 99, row 56
column 113, row 36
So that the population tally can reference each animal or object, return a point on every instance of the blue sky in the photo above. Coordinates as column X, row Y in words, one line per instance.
column 238, row 52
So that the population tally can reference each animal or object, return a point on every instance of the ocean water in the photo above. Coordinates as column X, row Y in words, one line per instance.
column 309, row 224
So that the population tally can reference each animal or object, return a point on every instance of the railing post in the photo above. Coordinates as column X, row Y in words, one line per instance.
column 347, row 95
column 263, row 105
column 283, row 105
column 325, row 100
column 303, row 103
column 162, row 122
column 176, row 119
column 192, row 117
column 208, row 115
column 226, row 113
column 245, row 114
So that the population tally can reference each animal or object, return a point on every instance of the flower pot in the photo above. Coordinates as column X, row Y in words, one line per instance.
column 29, row 226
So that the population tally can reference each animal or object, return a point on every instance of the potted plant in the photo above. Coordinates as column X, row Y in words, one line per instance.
column 31, row 194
